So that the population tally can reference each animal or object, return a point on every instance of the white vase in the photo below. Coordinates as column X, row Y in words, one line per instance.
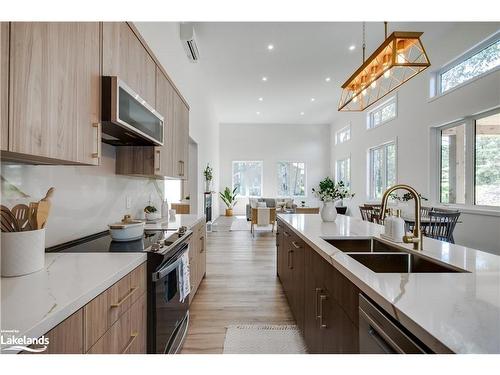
column 164, row 209
column 328, row 212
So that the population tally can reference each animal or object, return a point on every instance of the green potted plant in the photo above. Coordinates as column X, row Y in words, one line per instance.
column 208, row 173
column 328, row 193
column 151, row 212
column 343, row 193
column 229, row 199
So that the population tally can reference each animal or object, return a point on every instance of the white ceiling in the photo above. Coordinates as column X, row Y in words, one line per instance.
column 234, row 58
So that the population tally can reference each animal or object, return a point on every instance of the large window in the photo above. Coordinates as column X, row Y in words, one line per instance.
column 247, row 177
column 343, row 135
column 386, row 112
column 291, row 179
column 469, row 163
column 382, row 169
column 478, row 61
column 343, row 171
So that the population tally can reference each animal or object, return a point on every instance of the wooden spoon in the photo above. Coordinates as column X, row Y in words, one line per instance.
column 21, row 213
column 9, row 222
column 42, row 213
column 33, row 208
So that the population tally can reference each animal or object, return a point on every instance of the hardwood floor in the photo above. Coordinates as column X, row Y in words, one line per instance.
column 240, row 286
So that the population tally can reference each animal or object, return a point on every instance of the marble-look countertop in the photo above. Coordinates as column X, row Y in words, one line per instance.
column 34, row 304
column 449, row 312
column 188, row 220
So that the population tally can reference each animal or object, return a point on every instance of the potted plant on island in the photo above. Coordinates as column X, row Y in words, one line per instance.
column 229, row 198
column 208, row 173
column 328, row 193
column 151, row 213
column 343, row 193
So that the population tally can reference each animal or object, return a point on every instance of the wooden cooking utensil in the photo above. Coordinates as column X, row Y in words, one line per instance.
column 9, row 222
column 21, row 213
column 32, row 215
column 42, row 213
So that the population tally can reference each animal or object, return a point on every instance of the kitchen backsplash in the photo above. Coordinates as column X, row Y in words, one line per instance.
column 86, row 198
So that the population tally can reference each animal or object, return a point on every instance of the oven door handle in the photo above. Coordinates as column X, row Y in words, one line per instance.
column 171, row 265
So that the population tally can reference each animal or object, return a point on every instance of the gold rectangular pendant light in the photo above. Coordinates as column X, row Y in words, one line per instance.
column 400, row 57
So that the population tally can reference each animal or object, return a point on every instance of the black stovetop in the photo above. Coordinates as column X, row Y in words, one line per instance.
column 102, row 242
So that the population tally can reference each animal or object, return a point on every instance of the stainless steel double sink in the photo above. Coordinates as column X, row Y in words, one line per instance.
column 381, row 257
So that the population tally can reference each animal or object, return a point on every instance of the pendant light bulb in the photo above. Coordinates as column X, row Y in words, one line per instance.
column 387, row 73
column 374, row 84
column 363, row 92
column 401, row 58
column 355, row 99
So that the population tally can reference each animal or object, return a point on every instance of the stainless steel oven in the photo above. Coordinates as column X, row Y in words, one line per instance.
column 380, row 334
column 127, row 118
column 170, row 313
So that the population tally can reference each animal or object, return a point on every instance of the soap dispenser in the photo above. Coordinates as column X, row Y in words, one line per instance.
column 388, row 225
column 398, row 227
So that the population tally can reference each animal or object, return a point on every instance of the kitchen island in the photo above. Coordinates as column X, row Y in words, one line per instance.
column 451, row 312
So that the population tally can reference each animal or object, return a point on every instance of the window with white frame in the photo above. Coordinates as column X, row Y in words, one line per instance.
column 386, row 112
column 247, row 178
column 382, row 169
column 343, row 171
column 469, row 163
column 343, row 135
column 291, row 179
column 480, row 60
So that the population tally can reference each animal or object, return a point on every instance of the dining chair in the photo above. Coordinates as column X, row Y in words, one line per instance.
column 370, row 213
column 442, row 224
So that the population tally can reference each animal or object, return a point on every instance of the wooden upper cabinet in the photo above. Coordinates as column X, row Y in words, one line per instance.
column 180, row 138
column 123, row 55
column 54, row 99
column 165, row 105
column 4, row 84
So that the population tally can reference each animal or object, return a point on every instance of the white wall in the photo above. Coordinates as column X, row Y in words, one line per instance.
column 86, row 199
column 163, row 38
column 416, row 114
column 272, row 143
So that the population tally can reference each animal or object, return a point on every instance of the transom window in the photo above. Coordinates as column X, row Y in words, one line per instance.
column 480, row 60
column 343, row 135
column 291, row 179
column 382, row 169
column 343, row 171
column 469, row 163
column 247, row 178
column 383, row 113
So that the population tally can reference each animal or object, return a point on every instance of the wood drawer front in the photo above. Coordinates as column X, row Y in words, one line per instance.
column 106, row 308
column 127, row 335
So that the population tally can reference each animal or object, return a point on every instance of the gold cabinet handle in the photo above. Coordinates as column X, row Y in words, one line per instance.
column 158, row 153
column 290, row 259
column 202, row 247
column 286, row 233
column 316, row 302
column 97, row 127
column 295, row 245
column 119, row 303
column 322, row 298
column 133, row 336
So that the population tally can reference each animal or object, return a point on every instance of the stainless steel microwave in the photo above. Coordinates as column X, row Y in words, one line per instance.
column 127, row 119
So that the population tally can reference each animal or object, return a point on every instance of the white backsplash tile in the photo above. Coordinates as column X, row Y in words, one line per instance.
column 86, row 198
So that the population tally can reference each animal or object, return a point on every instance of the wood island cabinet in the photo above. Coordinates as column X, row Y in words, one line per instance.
column 197, row 257
column 323, row 301
column 54, row 92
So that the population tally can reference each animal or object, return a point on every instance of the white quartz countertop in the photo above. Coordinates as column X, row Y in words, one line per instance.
column 180, row 220
column 457, row 312
column 34, row 304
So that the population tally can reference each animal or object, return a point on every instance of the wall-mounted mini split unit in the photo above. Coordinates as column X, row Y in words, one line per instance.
column 188, row 40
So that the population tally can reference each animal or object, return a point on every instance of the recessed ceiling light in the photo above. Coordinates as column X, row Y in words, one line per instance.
column 258, row 113
column 302, row 113
column 261, row 99
column 270, row 47
column 313, row 99
column 328, row 79
column 264, row 79
column 352, row 47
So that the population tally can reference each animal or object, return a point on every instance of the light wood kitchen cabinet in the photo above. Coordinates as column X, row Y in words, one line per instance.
column 54, row 93
column 180, row 138
column 4, row 85
column 123, row 55
column 197, row 258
